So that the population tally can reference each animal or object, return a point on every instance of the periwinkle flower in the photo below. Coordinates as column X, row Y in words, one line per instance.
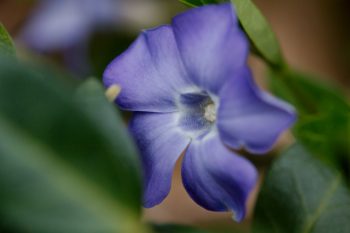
column 191, row 90
column 60, row 24
column 66, row 26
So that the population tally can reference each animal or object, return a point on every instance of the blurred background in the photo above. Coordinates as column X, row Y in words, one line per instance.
column 314, row 36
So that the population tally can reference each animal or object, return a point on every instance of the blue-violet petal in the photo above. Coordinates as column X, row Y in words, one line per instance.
column 160, row 143
column 216, row 178
column 249, row 117
column 150, row 73
column 211, row 44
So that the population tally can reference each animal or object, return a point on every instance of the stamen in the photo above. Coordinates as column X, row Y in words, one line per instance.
column 210, row 112
column 113, row 92
column 197, row 113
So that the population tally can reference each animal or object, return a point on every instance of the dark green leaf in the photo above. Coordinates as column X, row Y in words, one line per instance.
column 259, row 32
column 6, row 45
column 195, row 3
column 214, row 228
column 68, row 164
column 91, row 98
column 301, row 195
column 170, row 228
column 41, row 193
column 324, row 115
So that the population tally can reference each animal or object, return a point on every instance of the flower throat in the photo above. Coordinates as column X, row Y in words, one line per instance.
column 197, row 113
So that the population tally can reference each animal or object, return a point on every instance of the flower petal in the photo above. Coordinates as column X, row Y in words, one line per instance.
column 211, row 44
column 150, row 73
column 216, row 178
column 249, row 117
column 160, row 143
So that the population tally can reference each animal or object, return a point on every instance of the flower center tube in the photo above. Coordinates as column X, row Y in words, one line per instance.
column 197, row 113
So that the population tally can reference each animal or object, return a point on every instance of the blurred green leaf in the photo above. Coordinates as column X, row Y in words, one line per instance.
column 41, row 193
column 259, row 32
column 215, row 228
column 324, row 115
column 171, row 228
column 6, row 44
column 91, row 97
column 68, row 163
column 302, row 195
column 194, row 3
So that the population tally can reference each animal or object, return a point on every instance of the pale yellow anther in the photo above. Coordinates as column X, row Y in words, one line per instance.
column 210, row 112
column 113, row 92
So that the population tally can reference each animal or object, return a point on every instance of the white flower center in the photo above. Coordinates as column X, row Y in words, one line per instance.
column 197, row 113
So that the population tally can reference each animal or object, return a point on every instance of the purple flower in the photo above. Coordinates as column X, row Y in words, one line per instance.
column 190, row 88
column 61, row 24
column 66, row 26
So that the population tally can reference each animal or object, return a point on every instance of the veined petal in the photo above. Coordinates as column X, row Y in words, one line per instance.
column 249, row 117
column 160, row 143
column 150, row 73
column 211, row 44
column 216, row 178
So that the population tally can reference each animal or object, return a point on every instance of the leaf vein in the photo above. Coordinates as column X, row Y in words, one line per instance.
column 308, row 226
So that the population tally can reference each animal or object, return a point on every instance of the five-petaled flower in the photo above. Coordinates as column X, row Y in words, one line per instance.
column 191, row 90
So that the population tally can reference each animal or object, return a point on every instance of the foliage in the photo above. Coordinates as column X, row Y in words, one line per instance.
column 324, row 116
column 6, row 43
column 300, row 194
column 63, row 168
column 69, row 165
column 176, row 229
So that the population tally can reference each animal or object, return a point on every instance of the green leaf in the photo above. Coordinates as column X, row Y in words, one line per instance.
column 6, row 44
column 302, row 195
column 216, row 227
column 68, row 163
column 324, row 115
column 171, row 228
column 91, row 97
column 259, row 32
column 41, row 192
column 194, row 3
